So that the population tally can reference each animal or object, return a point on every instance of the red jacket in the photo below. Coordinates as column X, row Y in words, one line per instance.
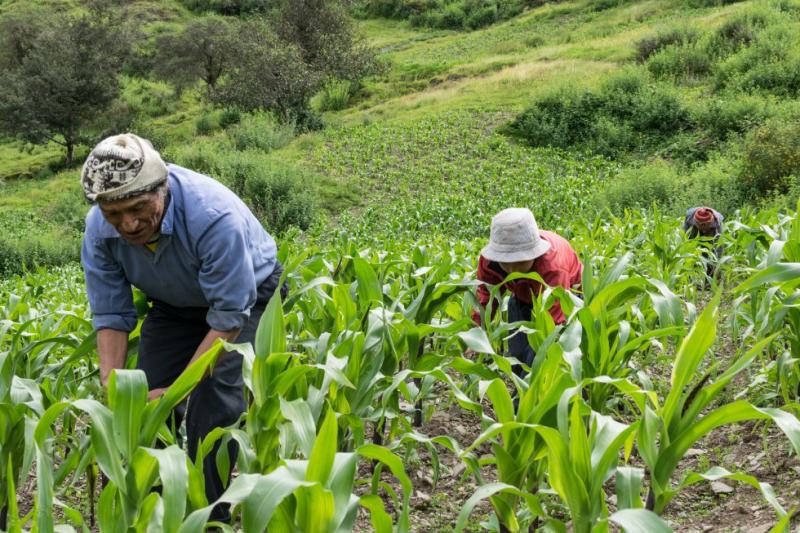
column 559, row 267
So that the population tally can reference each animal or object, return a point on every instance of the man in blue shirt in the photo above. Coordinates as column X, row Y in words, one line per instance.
column 202, row 258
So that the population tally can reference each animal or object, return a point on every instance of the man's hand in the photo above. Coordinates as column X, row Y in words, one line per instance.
column 156, row 393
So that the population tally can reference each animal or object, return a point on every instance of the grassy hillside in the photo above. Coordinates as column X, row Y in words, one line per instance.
column 446, row 95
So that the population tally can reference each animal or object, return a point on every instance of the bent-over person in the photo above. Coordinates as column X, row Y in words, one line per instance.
column 705, row 222
column 517, row 245
column 205, row 263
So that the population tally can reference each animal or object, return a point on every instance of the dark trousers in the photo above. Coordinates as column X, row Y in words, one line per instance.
column 169, row 337
column 518, row 345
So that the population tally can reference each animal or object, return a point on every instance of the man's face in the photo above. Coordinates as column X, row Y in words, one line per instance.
column 136, row 219
column 517, row 266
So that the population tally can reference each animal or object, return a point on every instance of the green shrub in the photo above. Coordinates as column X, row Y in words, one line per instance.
column 715, row 184
column 628, row 113
column 721, row 117
column 203, row 155
column 650, row 45
column 710, row 3
column 260, row 131
column 21, row 255
column 227, row 7
column 641, row 187
column 481, row 16
column 680, row 62
column 280, row 198
column 740, row 31
column 602, row 5
column 771, row 65
column 206, row 124
column 229, row 117
column 771, row 153
column 445, row 14
column 335, row 95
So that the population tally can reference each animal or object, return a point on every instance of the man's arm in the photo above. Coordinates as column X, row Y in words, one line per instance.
column 112, row 347
column 208, row 341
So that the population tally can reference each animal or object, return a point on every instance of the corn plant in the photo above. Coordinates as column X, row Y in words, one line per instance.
column 122, row 436
column 20, row 408
column 668, row 430
column 581, row 449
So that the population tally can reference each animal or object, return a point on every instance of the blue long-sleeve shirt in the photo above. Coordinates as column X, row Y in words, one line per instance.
column 212, row 252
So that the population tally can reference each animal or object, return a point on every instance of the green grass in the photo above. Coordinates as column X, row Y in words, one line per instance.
column 22, row 160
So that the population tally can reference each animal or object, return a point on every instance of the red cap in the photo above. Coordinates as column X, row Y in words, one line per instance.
column 704, row 215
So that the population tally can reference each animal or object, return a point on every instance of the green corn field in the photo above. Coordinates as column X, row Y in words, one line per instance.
column 346, row 373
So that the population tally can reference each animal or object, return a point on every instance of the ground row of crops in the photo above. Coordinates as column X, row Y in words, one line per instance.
column 369, row 342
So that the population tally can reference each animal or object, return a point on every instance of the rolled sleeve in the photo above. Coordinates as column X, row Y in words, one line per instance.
column 109, row 292
column 226, row 273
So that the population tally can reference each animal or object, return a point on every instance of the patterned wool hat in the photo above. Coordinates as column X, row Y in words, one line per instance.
column 514, row 237
column 120, row 167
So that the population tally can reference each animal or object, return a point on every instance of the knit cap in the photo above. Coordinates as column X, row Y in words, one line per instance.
column 122, row 166
column 704, row 215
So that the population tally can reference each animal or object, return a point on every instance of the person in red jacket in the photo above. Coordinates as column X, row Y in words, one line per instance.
column 517, row 245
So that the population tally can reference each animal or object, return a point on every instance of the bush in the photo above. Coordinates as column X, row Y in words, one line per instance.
column 18, row 256
column 771, row 153
column 280, row 198
column 721, row 117
column 148, row 98
column 641, row 187
column 602, row 5
column 740, row 31
column 260, row 131
column 711, row 3
column 680, row 62
column 771, row 65
column 229, row 117
column 446, row 14
column 628, row 113
column 227, row 7
column 203, row 155
column 715, row 184
column 335, row 95
column 206, row 124
column 655, row 43
column 278, row 195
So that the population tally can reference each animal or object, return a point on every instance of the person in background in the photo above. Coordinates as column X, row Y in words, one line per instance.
column 205, row 263
column 517, row 245
column 705, row 222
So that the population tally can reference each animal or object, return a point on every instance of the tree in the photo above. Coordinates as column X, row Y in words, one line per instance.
column 204, row 49
column 67, row 78
column 18, row 31
column 267, row 74
column 326, row 36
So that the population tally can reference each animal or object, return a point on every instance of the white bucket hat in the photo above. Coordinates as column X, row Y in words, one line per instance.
column 120, row 167
column 514, row 237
